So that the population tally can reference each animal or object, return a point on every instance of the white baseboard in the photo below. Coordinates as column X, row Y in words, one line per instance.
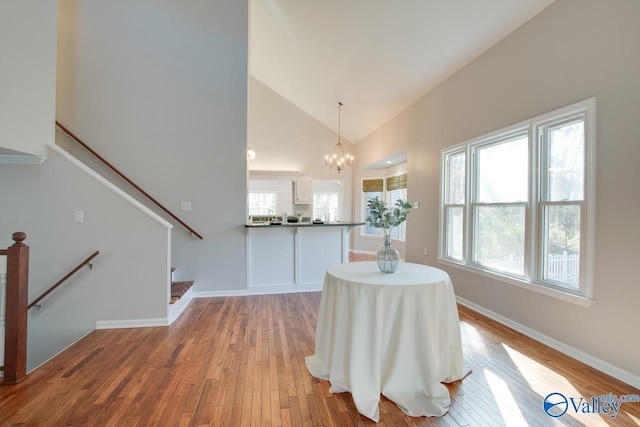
column 358, row 251
column 217, row 294
column 586, row 358
column 258, row 290
column 133, row 323
column 176, row 309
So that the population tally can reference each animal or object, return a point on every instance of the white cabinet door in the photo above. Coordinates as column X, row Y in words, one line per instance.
column 303, row 190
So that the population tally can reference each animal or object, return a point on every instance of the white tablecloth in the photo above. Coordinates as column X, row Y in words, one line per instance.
column 396, row 334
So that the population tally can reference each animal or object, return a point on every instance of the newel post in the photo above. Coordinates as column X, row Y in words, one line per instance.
column 15, row 338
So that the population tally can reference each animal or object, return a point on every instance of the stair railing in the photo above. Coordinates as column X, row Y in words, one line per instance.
column 126, row 178
column 17, row 290
column 64, row 279
column 16, row 306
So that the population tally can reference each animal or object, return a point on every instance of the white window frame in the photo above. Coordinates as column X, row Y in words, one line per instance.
column 534, row 230
column 402, row 228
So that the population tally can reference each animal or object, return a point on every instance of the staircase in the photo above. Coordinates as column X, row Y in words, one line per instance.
column 181, row 296
column 179, row 289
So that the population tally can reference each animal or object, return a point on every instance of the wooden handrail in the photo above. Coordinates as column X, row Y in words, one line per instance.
column 126, row 178
column 61, row 281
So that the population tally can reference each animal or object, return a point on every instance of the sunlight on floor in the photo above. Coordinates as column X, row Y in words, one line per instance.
column 471, row 331
column 539, row 377
column 504, row 399
column 636, row 420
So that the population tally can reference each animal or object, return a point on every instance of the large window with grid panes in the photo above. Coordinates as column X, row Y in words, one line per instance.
column 518, row 204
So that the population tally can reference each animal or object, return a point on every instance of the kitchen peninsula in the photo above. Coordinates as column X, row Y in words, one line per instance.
column 294, row 257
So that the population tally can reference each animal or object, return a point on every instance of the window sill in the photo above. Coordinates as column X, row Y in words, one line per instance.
column 555, row 293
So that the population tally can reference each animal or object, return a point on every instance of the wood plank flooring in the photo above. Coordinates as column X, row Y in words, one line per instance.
column 239, row 361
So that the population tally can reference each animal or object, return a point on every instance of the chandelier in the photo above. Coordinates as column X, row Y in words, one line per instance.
column 339, row 159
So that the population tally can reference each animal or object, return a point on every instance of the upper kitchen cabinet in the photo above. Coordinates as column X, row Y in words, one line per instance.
column 302, row 190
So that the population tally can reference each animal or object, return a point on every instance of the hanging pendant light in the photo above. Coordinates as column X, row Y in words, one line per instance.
column 338, row 160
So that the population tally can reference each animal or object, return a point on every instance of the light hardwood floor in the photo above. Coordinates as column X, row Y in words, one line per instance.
column 240, row 361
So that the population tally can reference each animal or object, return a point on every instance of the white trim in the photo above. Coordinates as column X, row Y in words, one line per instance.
column 93, row 174
column 132, row 323
column 21, row 159
column 178, row 307
column 540, row 289
column 358, row 251
column 218, row 294
column 586, row 358
column 262, row 290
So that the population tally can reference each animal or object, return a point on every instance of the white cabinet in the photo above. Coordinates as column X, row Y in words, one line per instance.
column 302, row 190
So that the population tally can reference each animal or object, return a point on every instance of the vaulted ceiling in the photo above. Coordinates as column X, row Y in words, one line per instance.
column 376, row 56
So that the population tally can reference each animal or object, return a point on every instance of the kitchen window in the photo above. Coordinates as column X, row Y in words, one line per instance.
column 262, row 203
column 518, row 204
column 326, row 199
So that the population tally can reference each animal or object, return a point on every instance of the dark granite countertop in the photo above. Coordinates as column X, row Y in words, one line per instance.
column 305, row 224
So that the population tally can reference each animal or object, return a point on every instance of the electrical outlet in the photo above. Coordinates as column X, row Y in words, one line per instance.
column 426, row 251
column 79, row 216
column 185, row 206
column 416, row 205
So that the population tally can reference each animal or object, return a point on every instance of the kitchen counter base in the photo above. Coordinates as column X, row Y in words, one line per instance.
column 294, row 258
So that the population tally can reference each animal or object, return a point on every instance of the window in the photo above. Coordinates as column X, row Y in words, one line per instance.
column 326, row 199
column 397, row 189
column 562, row 200
column 518, row 203
column 499, row 203
column 269, row 196
column 454, row 204
column 262, row 203
column 371, row 188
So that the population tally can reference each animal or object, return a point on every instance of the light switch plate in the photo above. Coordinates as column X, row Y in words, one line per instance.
column 185, row 206
column 79, row 216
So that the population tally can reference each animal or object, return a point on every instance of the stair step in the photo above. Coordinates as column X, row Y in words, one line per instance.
column 178, row 289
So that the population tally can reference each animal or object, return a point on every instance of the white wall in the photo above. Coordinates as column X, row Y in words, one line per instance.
column 159, row 88
column 572, row 50
column 27, row 75
column 287, row 139
column 130, row 278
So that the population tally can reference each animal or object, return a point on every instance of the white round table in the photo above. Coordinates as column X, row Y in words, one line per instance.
column 392, row 334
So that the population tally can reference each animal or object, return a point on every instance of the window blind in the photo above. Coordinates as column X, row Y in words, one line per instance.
column 397, row 182
column 372, row 185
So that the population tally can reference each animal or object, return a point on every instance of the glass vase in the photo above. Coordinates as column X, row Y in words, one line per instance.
column 388, row 256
